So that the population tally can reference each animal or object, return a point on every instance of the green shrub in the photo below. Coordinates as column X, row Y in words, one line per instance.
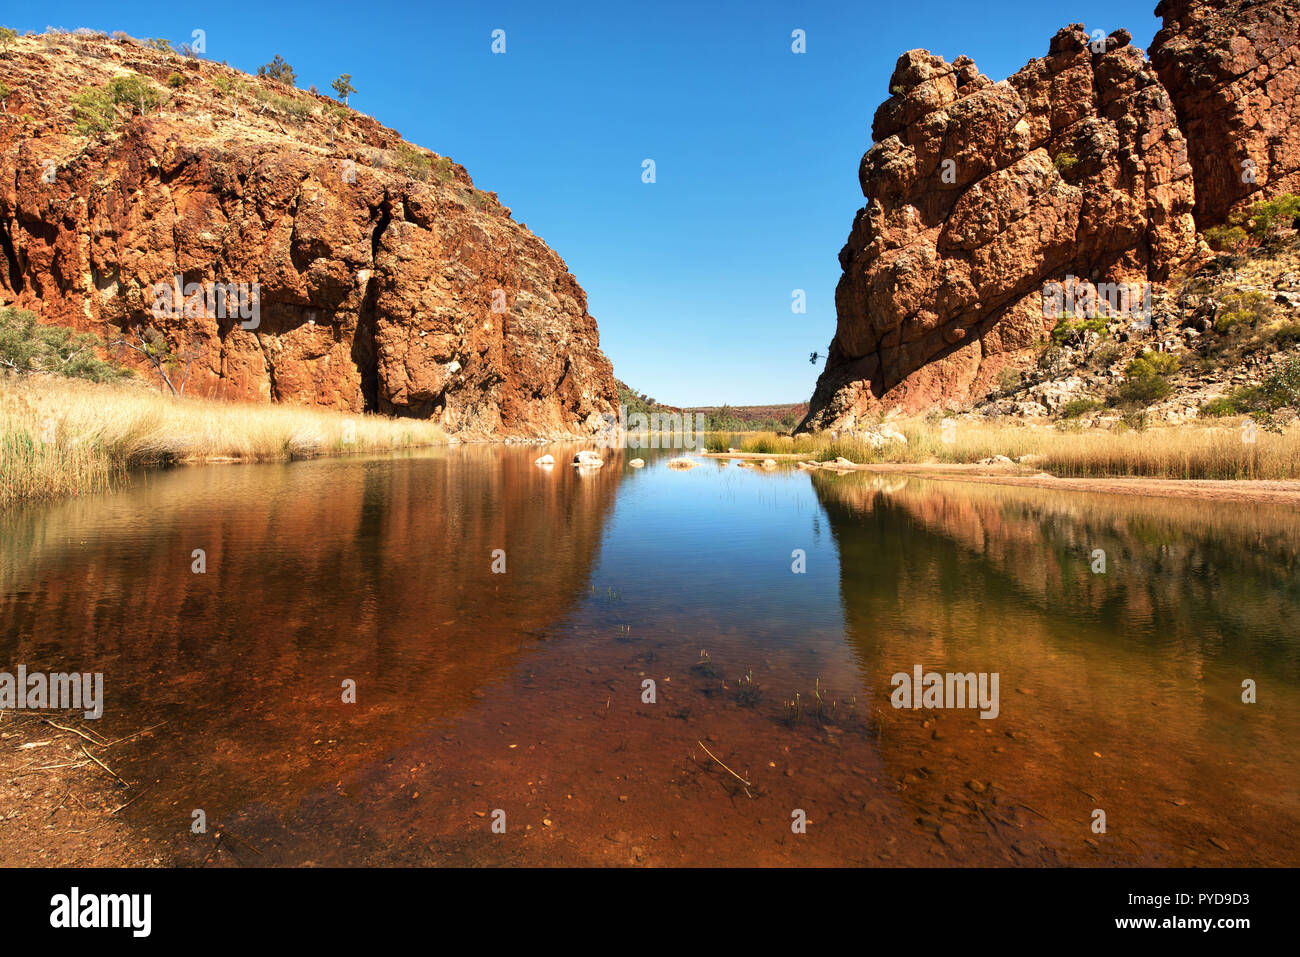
column 137, row 93
column 295, row 108
column 413, row 162
column 1144, row 379
column 1072, row 331
column 1258, row 221
column 1285, row 334
column 1008, row 381
column 1220, row 406
column 1144, row 391
column 1077, row 407
column 176, row 81
column 1065, row 161
column 1226, row 238
column 28, row 346
column 93, row 111
column 1279, row 390
column 1226, row 321
column 443, row 167
column 1264, row 217
column 1247, row 308
column 1152, row 363
column 1281, row 387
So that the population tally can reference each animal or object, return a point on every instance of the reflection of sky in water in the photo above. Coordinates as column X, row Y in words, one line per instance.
column 379, row 569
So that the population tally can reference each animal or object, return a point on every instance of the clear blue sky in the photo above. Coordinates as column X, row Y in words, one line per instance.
column 756, row 148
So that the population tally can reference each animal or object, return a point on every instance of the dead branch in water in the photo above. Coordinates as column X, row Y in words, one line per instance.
column 137, row 797
column 136, row 735
column 727, row 769
column 80, row 734
column 104, row 766
column 225, row 831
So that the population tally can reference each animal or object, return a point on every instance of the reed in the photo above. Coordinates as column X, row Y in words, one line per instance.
column 1194, row 450
column 65, row 436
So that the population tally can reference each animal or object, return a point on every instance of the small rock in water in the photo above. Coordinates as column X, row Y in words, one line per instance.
column 588, row 459
column 545, row 460
column 637, row 463
column 681, row 464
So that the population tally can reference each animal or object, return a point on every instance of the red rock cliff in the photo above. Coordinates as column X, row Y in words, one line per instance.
column 1080, row 164
column 1232, row 68
column 387, row 281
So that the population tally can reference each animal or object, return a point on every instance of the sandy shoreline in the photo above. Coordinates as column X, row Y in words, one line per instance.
column 62, row 807
column 1216, row 490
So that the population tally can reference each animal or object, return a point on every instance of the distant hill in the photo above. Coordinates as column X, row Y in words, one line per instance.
column 722, row 418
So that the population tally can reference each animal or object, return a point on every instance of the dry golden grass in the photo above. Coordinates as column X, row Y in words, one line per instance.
column 62, row 436
column 1188, row 451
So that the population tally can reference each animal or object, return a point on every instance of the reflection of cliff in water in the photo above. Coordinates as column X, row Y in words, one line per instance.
column 1119, row 691
column 377, row 570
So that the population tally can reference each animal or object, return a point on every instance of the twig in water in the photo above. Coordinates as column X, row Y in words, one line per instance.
column 1039, row 813
column 727, row 769
column 224, row 831
column 81, row 734
column 137, row 734
column 130, row 802
column 60, row 805
column 104, row 766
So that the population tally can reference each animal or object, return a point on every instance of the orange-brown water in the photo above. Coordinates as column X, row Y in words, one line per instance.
column 523, row 692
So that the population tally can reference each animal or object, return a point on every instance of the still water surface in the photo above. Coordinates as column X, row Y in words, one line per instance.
column 524, row 692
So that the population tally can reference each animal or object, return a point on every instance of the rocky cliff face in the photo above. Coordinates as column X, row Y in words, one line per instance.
column 387, row 282
column 981, row 194
column 1232, row 68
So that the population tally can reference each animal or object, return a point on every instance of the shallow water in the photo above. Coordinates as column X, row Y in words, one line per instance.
column 523, row 692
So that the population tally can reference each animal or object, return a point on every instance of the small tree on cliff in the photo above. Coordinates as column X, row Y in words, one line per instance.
column 7, row 36
column 279, row 71
column 343, row 86
column 173, row 366
column 4, row 97
column 135, row 92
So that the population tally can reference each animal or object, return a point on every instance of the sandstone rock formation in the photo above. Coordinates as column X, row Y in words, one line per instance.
column 387, row 281
column 981, row 194
column 1232, row 68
